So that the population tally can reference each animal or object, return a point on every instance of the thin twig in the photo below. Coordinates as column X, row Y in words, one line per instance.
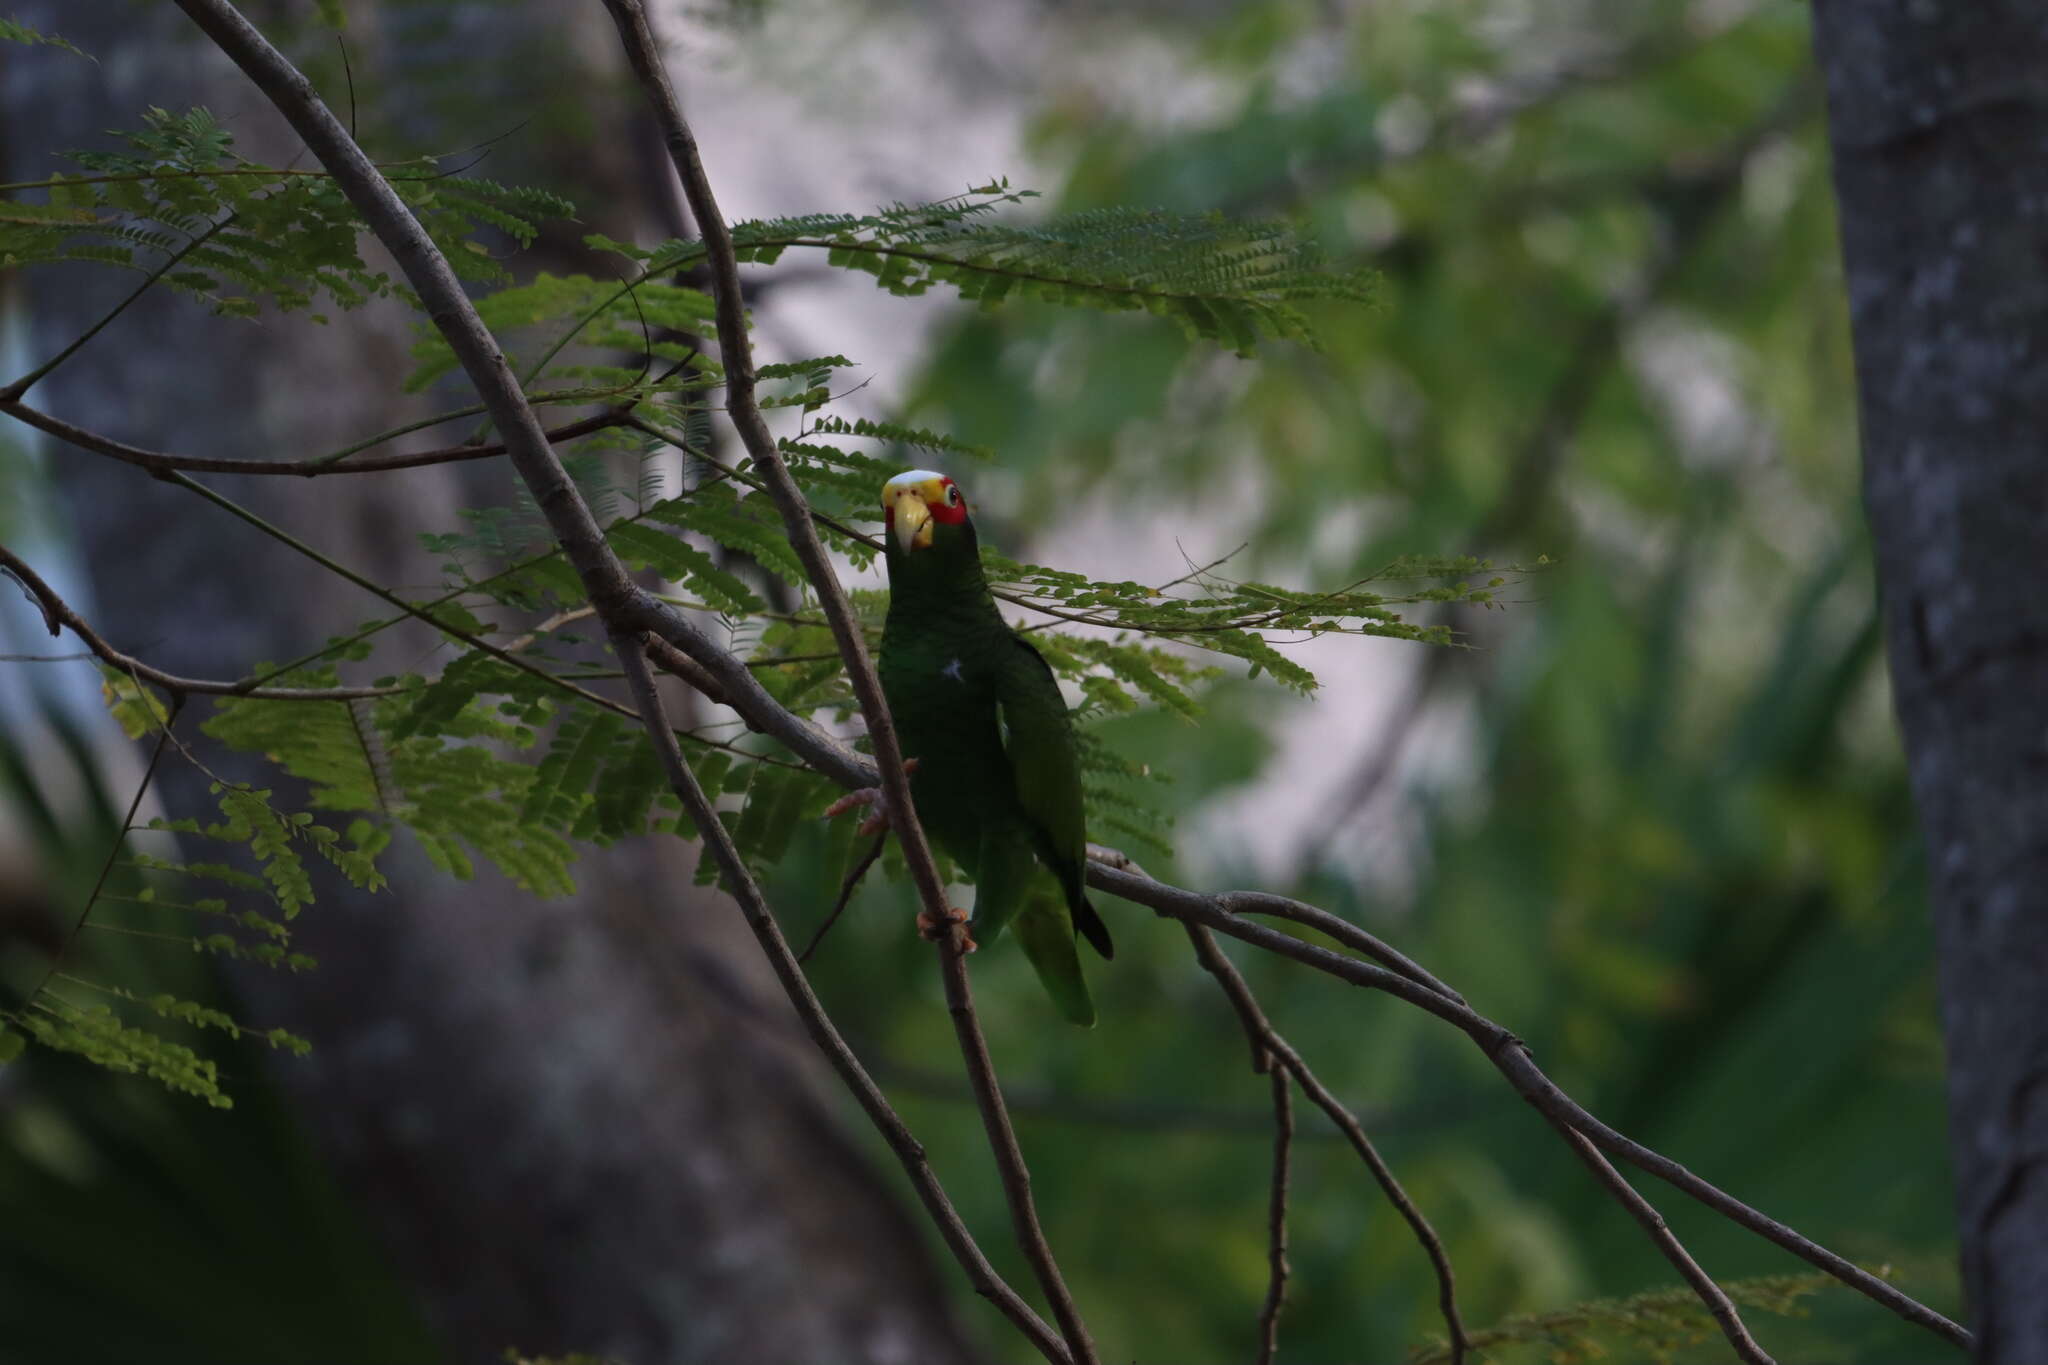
column 162, row 462
column 1718, row 1303
column 28, row 381
column 1276, row 1216
column 113, row 854
column 846, row 887
column 1267, row 1045
column 740, row 884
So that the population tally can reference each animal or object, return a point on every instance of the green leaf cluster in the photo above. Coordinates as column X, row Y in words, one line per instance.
column 178, row 205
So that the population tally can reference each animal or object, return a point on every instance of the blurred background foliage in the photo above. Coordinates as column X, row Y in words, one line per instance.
column 1654, row 819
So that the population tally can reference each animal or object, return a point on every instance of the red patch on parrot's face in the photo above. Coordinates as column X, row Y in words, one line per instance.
column 951, row 506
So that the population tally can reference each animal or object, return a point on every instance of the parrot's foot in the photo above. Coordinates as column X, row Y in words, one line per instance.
column 936, row 929
column 871, row 797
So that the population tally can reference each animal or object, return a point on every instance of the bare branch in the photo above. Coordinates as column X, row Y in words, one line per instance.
column 161, row 462
column 1002, row 1141
column 846, row 889
column 1711, row 1294
column 740, row 884
column 1511, row 1057
column 1276, row 1216
column 58, row 611
column 1268, row 1046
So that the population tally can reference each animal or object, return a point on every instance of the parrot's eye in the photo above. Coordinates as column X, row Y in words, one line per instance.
column 952, row 495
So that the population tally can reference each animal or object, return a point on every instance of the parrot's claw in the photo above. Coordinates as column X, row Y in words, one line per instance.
column 936, row 929
column 872, row 797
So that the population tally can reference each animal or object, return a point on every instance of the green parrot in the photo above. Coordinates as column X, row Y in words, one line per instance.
column 998, row 780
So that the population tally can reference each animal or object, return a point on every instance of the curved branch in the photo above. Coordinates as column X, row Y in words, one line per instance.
column 161, row 463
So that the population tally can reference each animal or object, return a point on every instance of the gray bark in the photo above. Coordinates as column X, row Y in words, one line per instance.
column 1939, row 117
column 589, row 1126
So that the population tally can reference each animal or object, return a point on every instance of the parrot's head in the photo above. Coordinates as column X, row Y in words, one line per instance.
column 926, row 512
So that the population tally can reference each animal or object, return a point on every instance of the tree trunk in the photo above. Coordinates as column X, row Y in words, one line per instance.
column 590, row 1126
column 1939, row 117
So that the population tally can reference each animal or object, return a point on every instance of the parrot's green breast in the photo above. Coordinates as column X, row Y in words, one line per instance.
column 998, row 782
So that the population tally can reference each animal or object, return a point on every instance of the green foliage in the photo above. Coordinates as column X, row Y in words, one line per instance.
column 100, row 1037
column 1655, row 1327
column 14, row 31
column 1221, row 280
column 180, row 206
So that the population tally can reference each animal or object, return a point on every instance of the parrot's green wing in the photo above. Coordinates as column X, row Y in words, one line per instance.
column 1046, row 764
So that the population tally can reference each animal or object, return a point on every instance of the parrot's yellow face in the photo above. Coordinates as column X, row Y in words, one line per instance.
column 914, row 501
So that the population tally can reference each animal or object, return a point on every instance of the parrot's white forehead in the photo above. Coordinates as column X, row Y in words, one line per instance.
column 911, row 478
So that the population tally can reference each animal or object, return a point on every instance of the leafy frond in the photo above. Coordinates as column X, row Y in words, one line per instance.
column 1653, row 1326
column 177, row 202
column 99, row 1036
column 14, row 31
column 1219, row 279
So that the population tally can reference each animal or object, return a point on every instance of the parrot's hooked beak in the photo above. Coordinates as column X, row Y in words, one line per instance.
column 910, row 518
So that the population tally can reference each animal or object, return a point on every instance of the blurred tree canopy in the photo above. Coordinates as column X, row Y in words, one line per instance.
column 1653, row 818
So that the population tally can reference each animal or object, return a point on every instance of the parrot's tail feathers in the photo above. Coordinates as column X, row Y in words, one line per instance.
column 1093, row 929
column 1050, row 946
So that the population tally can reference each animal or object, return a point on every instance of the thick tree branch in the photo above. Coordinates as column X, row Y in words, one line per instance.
column 1002, row 1141
column 644, row 56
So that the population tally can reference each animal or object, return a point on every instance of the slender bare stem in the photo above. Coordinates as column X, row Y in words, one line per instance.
column 99, row 886
column 846, row 888
column 166, row 266
column 1267, row 1047
column 163, row 462
column 740, row 884
column 1710, row 1293
column 1276, row 1215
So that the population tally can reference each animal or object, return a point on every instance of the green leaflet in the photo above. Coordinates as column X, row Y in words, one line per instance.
column 14, row 31
column 99, row 1036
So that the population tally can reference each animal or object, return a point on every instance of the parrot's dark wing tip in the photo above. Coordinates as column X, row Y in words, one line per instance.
column 1094, row 930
